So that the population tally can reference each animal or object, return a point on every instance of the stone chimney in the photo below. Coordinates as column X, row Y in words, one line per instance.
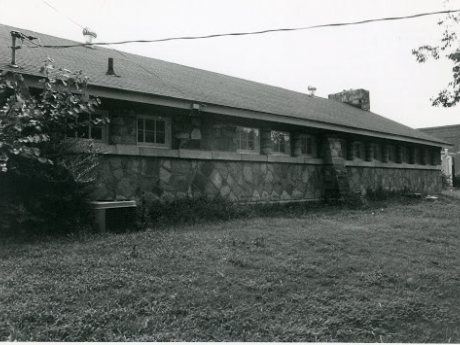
column 358, row 98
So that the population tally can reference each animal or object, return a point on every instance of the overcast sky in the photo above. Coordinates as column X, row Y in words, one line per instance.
column 376, row 57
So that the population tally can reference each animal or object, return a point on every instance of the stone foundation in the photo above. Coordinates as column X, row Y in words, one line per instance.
column 362, row 179
column 167, row 179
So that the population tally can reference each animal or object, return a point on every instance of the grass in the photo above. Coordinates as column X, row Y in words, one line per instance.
column 453, row 193
column 388, row 273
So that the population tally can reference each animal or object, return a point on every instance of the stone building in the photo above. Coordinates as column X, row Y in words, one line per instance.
column 179, row 132
column 451, row 153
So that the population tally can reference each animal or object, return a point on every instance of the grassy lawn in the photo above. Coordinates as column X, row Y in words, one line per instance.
column 388, row 274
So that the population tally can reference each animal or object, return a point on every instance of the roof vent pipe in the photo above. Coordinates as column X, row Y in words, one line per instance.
column 110, row 70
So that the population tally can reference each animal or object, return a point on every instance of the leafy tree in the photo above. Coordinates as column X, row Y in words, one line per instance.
column 44, row 181
column 448, row 48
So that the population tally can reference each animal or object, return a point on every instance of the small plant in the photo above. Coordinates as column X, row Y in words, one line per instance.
column 446, row 181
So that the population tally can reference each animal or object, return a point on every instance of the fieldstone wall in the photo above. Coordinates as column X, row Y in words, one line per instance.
column 421, row 181
column 167, row 179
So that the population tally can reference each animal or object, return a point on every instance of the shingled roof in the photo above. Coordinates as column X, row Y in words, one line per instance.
column 158, row 78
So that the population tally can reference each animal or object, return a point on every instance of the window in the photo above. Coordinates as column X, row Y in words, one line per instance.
column 435, row 157
column 391, row 153
column 414, row 155
column 306, row 145
column 153, row 131
column 248, row 139
column 281, row 142
column 359, row 150
column 377, row 151
column 88, row 128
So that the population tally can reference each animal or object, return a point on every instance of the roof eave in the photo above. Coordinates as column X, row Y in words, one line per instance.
column 182, row 103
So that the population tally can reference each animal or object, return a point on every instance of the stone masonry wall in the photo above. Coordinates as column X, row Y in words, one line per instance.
column 168, row 179
column 417, row 181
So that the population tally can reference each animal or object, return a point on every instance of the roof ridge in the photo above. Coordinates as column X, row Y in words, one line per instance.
column 438, row 127
column 171, row 62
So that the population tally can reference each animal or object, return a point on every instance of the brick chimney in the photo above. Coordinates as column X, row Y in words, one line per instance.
column 358, row 98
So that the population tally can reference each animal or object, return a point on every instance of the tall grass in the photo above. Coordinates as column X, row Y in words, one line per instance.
column 386, row 273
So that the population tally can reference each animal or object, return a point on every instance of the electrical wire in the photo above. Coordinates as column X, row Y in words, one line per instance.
column 253, row 32
column 110, row 46
column 54, row 8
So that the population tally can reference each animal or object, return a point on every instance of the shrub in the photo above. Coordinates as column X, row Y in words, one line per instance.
column 45, row 184
column 446, row 181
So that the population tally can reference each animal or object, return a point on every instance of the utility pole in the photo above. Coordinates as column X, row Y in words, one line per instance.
column 14, row 36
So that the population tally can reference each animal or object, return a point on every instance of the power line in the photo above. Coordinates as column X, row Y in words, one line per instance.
column 110, row 46
column 253, row 32
column 54, row 8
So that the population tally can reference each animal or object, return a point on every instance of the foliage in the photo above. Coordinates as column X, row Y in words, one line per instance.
column 448, row 48
column 446, row 181
column 43, row 181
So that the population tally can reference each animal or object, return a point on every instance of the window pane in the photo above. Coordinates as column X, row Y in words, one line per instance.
column 287, row 144
column 246, row 138
column 140, row 130
column 161, row 139
column 96, row 133
column 251, row 135
column 149, row 125
column 82, row 132
column 303, row 145
column 239, row 132
column 149, row 137
column 282, row 145
column 281, row 142
column 161, row 126
column 309, row 146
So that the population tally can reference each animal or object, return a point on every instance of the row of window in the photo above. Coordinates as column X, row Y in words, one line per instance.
column 156, row 131
column 151, row 131
column 376, row 152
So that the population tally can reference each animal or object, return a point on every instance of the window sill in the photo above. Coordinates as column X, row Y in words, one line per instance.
column 390, row 165
column 146, row 151
column 247, row 152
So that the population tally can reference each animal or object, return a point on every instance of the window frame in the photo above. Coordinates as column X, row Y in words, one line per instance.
column 167, row 120
column 377, row 151
column 358, row 146
column 104, row 128
column 287, row 148
column 256, row 149
column 304, row 138
column 392, row 153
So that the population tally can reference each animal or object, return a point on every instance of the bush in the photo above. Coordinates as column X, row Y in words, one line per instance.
column 446, row 181
column 44, row 184
column 52, row 198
